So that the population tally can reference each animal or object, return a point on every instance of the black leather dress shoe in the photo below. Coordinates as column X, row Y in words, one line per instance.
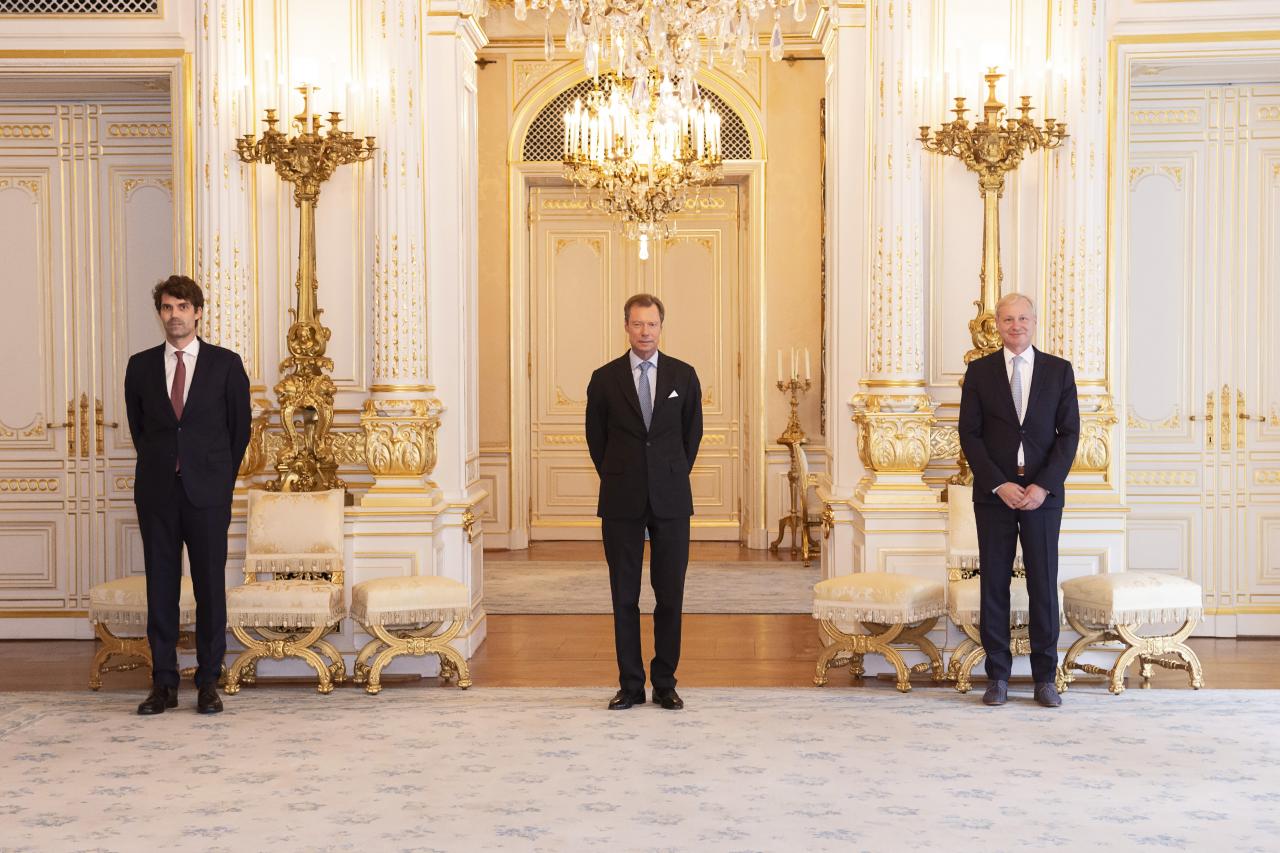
column 158, row 699
column 1046, row 694
column 668, row 698
column 997, row 693
column 623, row 699
column 208, row 701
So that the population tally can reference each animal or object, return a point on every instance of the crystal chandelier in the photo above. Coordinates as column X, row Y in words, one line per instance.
column 672, row 37
column 636, row 142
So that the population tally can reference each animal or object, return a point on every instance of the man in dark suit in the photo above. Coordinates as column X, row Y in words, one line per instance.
column 188, row 405
column 644, row 424
column 1019, row 427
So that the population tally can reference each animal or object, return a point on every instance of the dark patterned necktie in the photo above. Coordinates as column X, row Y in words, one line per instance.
column 179, row 384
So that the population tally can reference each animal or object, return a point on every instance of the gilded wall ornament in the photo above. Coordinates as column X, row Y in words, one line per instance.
column 894, row 431
column 400, row 436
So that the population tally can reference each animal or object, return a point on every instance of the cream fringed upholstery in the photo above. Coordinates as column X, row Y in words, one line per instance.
column 1112, row 608
column 964, row 595
column 118, row 613
column 405, row 616
column 295, row 539
column 897, row 610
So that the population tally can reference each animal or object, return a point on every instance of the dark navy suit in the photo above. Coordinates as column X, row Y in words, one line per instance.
column 644, row 485
column 185, row 477
column 990, row 434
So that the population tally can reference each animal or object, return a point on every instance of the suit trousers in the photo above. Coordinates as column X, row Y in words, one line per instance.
column 668, row 561
column 166, row 526
column 999, row 529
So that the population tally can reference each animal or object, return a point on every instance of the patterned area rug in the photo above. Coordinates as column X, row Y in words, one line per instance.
column 419, row 769
column 552, row 586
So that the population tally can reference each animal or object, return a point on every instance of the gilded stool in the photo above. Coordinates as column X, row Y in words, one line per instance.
column 292, row 595
column 118, row 613
column 405, row 616
column 1111, row 608
column 897, row 610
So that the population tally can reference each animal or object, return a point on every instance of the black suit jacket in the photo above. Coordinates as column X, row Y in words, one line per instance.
column 638, row 466
column 211, row 437
column 990, row 432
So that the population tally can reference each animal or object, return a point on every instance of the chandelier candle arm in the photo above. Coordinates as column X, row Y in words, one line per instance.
column 644, row 150
column 632, row 37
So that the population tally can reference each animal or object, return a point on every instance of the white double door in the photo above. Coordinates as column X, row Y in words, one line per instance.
column 583, row 271
column 86, row 204
column 1202, row 345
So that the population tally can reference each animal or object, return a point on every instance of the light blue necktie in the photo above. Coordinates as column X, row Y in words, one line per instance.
column 1015, row 383
column 646, row 399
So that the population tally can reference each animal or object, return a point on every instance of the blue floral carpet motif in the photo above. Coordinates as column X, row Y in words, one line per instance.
column 838, row 768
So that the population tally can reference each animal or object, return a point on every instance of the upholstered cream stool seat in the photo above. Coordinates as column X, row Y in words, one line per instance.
column 405, row 616
column 295, row 540
column 1112, row 608
column 118, row 613
column 897, row 610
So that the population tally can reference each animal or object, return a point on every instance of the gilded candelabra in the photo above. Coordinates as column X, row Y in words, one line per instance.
column 991, row 147
column 797, row 517
column 307, row 159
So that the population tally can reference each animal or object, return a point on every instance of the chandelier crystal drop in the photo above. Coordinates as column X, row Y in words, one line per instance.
column 643, row 149
column 674, row 38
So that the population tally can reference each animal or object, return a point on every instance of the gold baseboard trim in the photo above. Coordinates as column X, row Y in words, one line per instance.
column 44, row 614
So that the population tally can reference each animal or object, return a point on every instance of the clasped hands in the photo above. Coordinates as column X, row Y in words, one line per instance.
column 1016, row 497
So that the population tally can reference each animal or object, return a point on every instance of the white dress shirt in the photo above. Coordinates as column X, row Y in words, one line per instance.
column 1028, row 363
column 653, row 375
column 189, row 354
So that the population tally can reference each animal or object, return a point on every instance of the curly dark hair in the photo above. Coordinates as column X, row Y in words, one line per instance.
column 179, row 287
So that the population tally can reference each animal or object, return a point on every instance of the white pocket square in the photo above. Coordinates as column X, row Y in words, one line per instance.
column 672, row 394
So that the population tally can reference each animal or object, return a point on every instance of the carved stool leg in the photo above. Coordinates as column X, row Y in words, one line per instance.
column 361, row 669
column 829, row 652
column 246, row 660
column 1145, row 667
column 134, row 650
column 457, row 665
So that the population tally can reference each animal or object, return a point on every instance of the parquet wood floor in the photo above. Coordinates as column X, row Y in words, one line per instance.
column 577, row 651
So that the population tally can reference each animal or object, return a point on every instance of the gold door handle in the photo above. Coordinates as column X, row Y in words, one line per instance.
column 1243, row 417
column 100, row 425
column 70, row 426
column 1207, row 417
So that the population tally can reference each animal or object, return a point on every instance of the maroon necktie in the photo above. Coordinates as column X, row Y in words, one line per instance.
column 179, row 384
column 175, row 393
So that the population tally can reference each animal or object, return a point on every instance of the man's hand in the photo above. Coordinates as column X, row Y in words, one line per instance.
column 1032, row 497
column 1013, row 495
